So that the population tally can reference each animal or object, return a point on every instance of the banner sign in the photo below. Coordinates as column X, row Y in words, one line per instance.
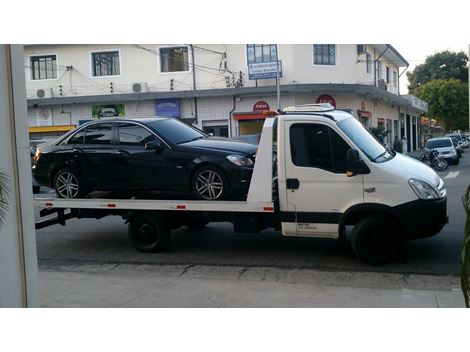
column 264, row 70
column 168, row 107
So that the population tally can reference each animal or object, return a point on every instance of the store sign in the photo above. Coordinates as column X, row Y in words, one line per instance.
column 167, row 107
column 264, row 70
column 325, row 98
column 261, row 106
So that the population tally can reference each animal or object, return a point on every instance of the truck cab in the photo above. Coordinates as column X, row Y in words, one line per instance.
column 333, row 173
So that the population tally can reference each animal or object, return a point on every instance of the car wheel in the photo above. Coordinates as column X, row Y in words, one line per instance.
column 376, row 240
column 68, row 184
column 148, row 232
column 210, row 183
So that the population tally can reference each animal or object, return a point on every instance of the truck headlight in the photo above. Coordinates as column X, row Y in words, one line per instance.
column 422, row 189
column 240, row 160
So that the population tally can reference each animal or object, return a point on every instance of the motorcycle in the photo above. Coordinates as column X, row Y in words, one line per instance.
column 431, row 158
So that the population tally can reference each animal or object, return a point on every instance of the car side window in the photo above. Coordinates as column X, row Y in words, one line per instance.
column 98, row 134
column 77, row 138
column 134, row 135
column 318, row 146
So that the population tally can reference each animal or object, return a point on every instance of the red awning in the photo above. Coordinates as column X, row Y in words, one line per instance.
column 248, row 116
column 363, row 113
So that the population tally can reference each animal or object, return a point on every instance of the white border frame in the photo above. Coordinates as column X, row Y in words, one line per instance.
column 90, row 58
column 190, row 61
column 329, row 66
column 30, row 68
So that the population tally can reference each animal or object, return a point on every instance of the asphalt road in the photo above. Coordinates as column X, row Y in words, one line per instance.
column 105, row 241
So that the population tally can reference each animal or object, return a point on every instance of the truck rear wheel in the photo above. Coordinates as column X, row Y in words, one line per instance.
column 376, row 240
column 148, row 232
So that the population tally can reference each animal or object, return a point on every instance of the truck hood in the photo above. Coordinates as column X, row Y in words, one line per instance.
column 402, row 166
column 220, row 146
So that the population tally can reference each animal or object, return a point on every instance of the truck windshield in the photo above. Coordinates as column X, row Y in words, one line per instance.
column 364, row 140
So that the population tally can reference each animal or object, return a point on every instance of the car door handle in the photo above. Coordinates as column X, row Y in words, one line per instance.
column 292, row 183
column 122, row 153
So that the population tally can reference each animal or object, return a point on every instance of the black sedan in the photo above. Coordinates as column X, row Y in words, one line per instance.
column 146, row 154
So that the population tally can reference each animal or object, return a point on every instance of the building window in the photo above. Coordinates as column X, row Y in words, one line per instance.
column 43, row 67
column 106, row 63
column 174, row 59
column 387, row 74
column 324, row 54
column 379, row 69
column 395, row 78
column 368, row 63
column 261, row 53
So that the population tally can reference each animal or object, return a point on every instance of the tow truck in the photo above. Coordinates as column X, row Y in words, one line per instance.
column 317, row 172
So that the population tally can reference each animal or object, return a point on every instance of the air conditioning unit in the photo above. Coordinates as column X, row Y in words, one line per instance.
column 381, row 84
column 140, row 87
column 44, row 93
column 361, row 49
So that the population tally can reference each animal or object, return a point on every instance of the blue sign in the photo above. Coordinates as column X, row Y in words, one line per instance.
column 168, row 107
column 264, row 70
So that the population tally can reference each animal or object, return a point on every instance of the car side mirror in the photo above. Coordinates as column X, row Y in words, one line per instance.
column 354, row 163
column 155, row 145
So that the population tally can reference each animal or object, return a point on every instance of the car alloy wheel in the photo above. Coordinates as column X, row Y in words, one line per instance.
column 66, row 185
column 209, row 185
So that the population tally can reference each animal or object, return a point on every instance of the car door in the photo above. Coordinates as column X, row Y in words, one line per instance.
column 317, row 185
column 140, row 168
column 97, row 156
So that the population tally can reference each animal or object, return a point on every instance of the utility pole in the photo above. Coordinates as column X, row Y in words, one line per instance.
column 278, row 83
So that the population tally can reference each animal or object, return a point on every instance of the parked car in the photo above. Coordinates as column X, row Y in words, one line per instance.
column 457, row 146
column 445, row 148
column 462, row 143
column 158, row 153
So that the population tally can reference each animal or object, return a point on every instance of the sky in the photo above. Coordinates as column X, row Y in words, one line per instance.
column 416, row 54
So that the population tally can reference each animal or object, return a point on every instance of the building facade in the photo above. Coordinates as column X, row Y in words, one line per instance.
column 210, row 86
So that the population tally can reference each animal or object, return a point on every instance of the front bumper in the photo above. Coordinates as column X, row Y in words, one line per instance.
column 422, row 218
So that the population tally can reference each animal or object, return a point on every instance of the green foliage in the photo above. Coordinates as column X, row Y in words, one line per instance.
column 398, row 146
column 5, row 194
column 447, row 102
column 378, row 132
column 465, row 257
column 443, row 65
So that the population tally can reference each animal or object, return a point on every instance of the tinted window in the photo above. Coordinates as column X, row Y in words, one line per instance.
column 98, row 134
column 134, row 135
column 77, row 138
column 318, row 146
column 439, row 143
column 175, row 132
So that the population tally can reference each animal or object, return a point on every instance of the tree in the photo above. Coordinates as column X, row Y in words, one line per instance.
column 443, row 65
column 447, row 102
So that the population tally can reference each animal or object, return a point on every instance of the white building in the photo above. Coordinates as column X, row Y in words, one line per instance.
column 209, row 85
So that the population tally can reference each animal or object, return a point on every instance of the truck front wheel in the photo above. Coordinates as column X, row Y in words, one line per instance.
column 148, row 232
column 376, row 240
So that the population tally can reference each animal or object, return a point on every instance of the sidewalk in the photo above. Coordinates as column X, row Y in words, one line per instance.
column 123, row 285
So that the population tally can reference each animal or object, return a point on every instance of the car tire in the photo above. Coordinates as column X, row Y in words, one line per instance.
column 69, row 184
column 210, row 183
column 376, row 240
column 148, row 232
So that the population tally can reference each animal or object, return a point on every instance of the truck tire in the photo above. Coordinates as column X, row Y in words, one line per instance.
column 148, row 232
column 376, row 240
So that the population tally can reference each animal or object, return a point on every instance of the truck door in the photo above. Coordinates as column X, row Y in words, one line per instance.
column 317, row 186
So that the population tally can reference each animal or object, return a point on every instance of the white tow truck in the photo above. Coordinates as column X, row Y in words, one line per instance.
column 318, row 171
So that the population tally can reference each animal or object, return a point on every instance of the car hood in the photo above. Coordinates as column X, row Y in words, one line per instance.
column 220, row 145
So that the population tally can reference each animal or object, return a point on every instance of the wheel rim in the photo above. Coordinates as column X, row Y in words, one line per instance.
column 67, row 185
column 209, row 185
column 146, row 235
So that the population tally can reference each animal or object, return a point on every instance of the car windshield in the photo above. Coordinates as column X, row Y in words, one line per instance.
column 364, row 140
column 457, row 136
column 439, row 143
column 175, row 132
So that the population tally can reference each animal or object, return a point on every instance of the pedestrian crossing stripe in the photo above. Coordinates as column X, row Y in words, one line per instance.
column 452, row 174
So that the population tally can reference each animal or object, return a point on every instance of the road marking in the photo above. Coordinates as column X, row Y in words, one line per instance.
column 452, row 174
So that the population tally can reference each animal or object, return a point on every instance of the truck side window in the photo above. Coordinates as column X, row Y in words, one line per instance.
column 318, row 146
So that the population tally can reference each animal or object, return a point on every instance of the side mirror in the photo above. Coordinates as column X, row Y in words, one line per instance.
column 155, row 145
column 353, row 163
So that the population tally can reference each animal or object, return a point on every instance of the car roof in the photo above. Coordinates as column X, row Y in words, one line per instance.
column 332, row 115
column 437, row 138
column 121, row 119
